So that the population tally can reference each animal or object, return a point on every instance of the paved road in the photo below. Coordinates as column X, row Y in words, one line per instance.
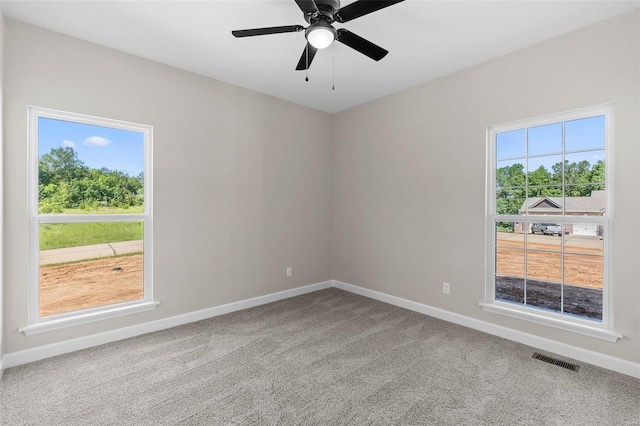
column 71, row 254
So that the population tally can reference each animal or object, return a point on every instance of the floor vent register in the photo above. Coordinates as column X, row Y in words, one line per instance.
column 554, row 361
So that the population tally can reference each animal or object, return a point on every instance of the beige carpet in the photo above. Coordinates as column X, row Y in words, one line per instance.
column 325, row 358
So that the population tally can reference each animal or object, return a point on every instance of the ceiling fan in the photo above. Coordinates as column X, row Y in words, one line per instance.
column 320, row 14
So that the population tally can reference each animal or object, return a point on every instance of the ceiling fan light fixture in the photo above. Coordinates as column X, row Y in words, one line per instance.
column 320, row 35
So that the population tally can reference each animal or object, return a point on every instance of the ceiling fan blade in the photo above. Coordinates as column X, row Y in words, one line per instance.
column 361, row 8
column 305, row 62
column 267, row 30
column 363, row 46
column 307, row 6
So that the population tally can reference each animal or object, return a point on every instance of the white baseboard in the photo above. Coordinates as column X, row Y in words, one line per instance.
column 580, row 354
column 1, row 368
column 13, row 359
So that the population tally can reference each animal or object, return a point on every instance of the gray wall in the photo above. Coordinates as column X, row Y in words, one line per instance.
column 242, row 188
column 1, row 188
column 243, row 181
column 409, row 174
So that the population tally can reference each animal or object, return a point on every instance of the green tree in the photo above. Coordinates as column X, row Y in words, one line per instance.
column 61, row 165
column 67, row 183
column 580, row 179
column 509, row 201
column 577, row 172
column 510, row 191
column 540, row 176
column 510, row 176
column 597, row 175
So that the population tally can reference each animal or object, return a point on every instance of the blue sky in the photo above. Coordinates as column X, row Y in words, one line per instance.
column 586, row 133
column 97, row 147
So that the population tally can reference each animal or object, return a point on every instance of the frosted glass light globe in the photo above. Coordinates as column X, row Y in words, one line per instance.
column 320, row 37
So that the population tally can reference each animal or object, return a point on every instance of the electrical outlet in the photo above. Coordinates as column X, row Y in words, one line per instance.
column 446, row 288
column 289, row 271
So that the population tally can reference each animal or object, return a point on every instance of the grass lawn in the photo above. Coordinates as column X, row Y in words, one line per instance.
column 61, row 235
column 106, row 210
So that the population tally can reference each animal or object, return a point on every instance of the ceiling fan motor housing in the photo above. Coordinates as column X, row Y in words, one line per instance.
column 326, row 11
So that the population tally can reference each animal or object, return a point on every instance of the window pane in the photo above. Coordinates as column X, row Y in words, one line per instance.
column 509, row 262
column 509, row 275
column 583, row 301
column 509, row 200
column 545, row 139
column 545, row 170
column 583, row 270
column 86, row 169
column 86, row 265
column 584, row 167
column 510, row 289
column 510, row 173
column 544, row 275
column 545, row 295
column 510, row 144
column 584, row 133
column 509, row 234
column 585, row 200
column 544, row 266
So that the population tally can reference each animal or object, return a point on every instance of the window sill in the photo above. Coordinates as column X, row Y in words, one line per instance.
column 584, row 329
column 88, row 317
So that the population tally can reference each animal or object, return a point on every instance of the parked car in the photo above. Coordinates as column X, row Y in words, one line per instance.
column 537, row 228
column 552, row 230
column 546, row 229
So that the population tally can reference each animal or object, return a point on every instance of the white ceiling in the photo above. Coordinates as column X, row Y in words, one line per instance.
column 426, row 39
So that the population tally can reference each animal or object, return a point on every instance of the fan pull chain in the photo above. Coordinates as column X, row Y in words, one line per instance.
column 306, row 78
column 333, row 54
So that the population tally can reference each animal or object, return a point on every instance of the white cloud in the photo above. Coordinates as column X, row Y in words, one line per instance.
column 67, row 144
column 96, row 141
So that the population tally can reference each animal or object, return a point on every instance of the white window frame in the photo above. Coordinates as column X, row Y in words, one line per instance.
column 602, row 330
column 36, row 323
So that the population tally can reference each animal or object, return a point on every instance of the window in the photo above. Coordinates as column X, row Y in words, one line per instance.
column 90, row 219
column 548, row 220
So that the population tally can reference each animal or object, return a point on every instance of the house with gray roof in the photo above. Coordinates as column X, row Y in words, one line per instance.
column 593, row 205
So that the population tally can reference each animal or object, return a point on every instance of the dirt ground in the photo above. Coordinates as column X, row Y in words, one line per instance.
column 584, row 266
column 72, row 286
column 576, row 300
